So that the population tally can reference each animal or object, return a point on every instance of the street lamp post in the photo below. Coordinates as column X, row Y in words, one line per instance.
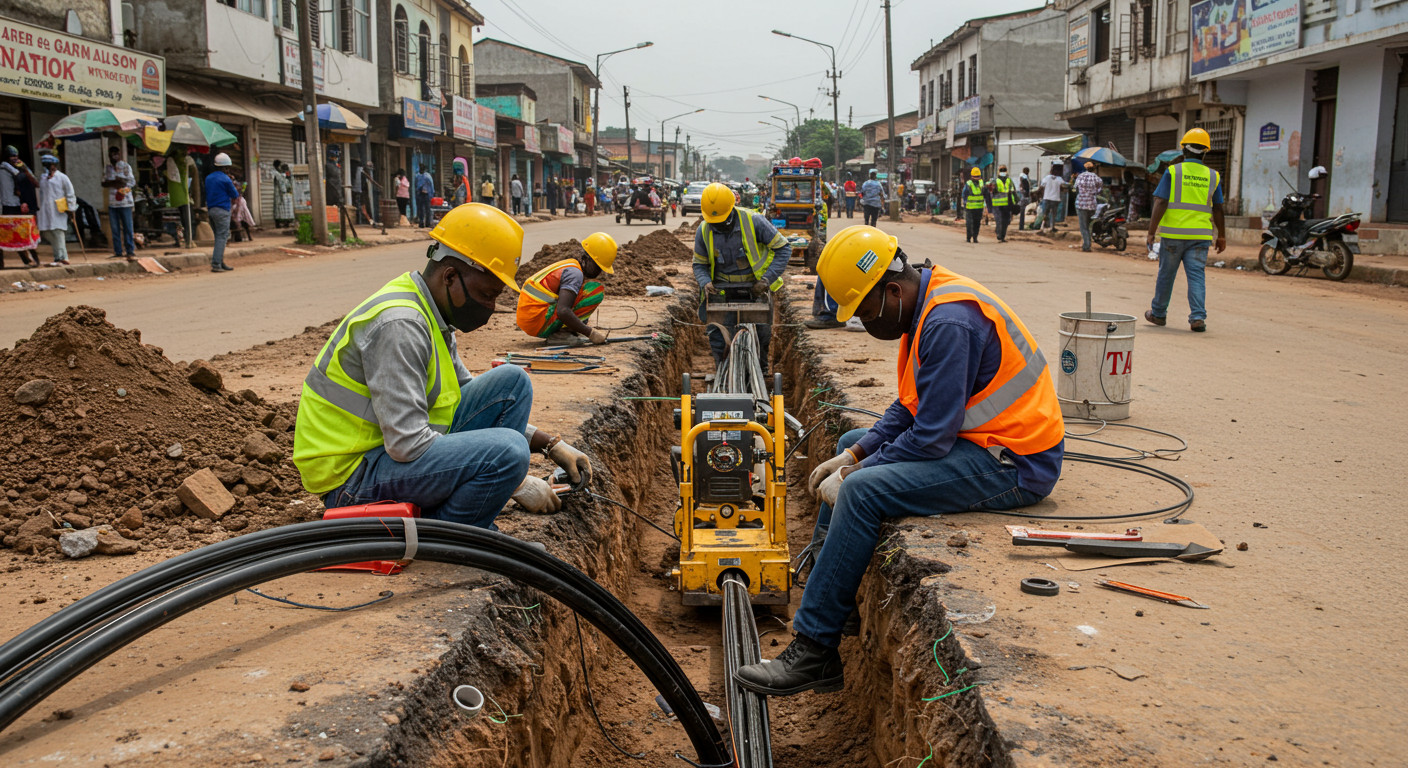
column 662, row 136
column 785, row 131
column 596, row 102
column 789, row 132
column 795, row 109
column 835, row 101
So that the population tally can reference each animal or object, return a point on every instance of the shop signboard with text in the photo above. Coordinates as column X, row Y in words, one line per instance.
column 38, row 63
column 462, row 118
column 1224, row 33
column 564, row 140
column 485, row 134
column 293, row 69
column 530, row 140
column 422, row 116
column 1078, row 47
column 967, row 118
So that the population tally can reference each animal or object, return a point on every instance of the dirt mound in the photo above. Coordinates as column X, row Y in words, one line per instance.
column 102, row 429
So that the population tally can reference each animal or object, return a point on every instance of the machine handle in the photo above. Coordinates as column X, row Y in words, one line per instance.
column 684, row 385
column 777, row 384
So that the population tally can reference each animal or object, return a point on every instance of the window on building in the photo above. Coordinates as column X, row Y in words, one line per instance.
column 577, row 110
column 1148, row 27
column 923, row 103
column 315, row 22
column 255, row 7
column 948, row 89
column 288, row 16
column 423, row 52
column 443, row 54
column 354, row 28
column 1175, row 27
column 466, row 66
column 932, row 106
column 973, row 75
column 960, row 82
column 401, row 38
column 1100, row 33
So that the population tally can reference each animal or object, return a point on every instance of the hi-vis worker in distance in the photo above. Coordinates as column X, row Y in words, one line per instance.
column 561, row 296
column 1187, row 218
column 736, row 248
column 389, row 411
column 976, row 426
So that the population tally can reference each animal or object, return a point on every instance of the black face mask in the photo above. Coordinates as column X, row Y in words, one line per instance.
column 882, row 327
column 471, row 314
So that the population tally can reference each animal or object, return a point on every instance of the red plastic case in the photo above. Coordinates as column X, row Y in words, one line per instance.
column 379, row 509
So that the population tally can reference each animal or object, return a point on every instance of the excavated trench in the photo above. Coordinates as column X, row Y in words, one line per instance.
column 522, row 647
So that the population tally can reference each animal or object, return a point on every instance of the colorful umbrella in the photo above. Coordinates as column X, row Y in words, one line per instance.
column 1102, row 155
column 91, row 123
column 1166, row 156
column 197, row 132
column 335, row 117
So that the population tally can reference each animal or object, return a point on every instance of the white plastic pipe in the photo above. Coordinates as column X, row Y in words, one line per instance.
column 469, row 699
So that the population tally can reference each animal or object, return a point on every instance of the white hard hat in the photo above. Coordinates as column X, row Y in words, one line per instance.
column 222, row 159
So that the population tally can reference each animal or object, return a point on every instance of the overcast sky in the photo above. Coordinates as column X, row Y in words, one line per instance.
column 721, row 54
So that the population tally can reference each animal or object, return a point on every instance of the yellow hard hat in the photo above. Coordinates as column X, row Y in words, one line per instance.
column 1197, row 137
column 716, row 203
column 602, row 248
column 484, row 235
column 975, row 173
column 852, row 263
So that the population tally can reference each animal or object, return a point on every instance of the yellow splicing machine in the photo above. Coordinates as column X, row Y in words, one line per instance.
column 732, row 519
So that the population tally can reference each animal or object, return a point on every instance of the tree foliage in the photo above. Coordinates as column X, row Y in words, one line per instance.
column 816, row 141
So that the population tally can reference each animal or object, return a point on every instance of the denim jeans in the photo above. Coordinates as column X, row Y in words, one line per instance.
column 1047, row 219
column 850, row 207
column 1084, row 216
column 1193, row 255
column 466, row 475
column 120, row 221
column 220, row 226
column 871, row 215
column 968, row 479
column 1002, row 218
column 423, row 209
column 823, row 306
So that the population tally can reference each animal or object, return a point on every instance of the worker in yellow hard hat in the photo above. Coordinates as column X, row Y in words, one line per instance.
column 738, row 254
column 976, row 199
column 555, row 303
column 1187, row 218
column 976, row 426
column 389, row 411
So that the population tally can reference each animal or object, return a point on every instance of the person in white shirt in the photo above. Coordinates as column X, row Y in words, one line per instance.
column 54, row 186
column 119, row 181
column 1052, row 186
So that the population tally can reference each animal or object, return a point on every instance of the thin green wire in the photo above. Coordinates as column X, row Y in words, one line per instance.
column 648, row 398
column 947, row 678
column 927, row 758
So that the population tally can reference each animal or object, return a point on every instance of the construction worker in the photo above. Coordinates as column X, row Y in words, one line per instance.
column 1004, row 197
column 1187, row 208
column 976, row 427
column 560, row 298
column 975, row 200
column 389, row 411
column 735, row 248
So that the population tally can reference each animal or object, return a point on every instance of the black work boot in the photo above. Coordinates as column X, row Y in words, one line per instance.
column 804, row 666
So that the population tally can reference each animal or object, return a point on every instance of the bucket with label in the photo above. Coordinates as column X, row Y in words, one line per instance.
column 1094, row 368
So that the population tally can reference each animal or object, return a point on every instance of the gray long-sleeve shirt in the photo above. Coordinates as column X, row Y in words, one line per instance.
column 732, row 259
column 392, row 354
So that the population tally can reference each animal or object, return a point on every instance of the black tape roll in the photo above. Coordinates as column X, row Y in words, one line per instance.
column 1042, row 587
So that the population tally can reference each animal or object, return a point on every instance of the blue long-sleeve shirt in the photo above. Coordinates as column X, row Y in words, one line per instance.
column 872, row 192
column 424, row 183
column 959, row 354
column 732, row 259
column 220, row 192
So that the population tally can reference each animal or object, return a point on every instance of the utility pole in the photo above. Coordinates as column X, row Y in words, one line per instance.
column 851, row 116
column 835, row 93
column 630, row 162
column 596, row 103
column 890, row 99
column 312, row 137
column 649, row 166
column 675, row 153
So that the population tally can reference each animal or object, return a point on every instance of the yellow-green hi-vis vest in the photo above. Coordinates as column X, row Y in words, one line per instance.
column 757, row 263
column 1188, row 215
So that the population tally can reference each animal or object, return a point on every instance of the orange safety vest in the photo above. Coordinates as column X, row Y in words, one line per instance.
column 538, row 294
column 1018, row 409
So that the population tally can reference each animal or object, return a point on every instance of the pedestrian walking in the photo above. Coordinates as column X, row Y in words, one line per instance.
column 20, row 234
column 1004, row 199
column 178, row 193
column 975, row 200
column 1187, row 215
column 872, row 197
column 515, row 192
column 1088, row 186
column 119, row 181
column 56, row 199
column 220, row 196
column 589, row 197
column 1024, row 186
column 425, row 187
column 1051, row 186
column 283, row 195
column 402, row 187
column 486, row 191
column 367, row 186
column 240, row 216
column 550, row 190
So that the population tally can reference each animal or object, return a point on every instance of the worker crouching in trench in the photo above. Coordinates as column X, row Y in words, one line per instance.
column 556, row 302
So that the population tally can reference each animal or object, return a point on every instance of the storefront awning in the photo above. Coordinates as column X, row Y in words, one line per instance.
column 1059, row 145
column 268, row 109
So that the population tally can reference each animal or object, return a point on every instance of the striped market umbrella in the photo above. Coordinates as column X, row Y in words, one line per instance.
column 335, row 117
column 197, row 132
column 91, row 123
column 1102, row 155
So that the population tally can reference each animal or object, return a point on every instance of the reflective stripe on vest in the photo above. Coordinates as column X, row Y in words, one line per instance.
column 1188, row 213
column 975, row 195
column 1018, row 409
column 1002, row 192
column 336, row 421
column 536, row 286
column 757, row 264
column 535, row 301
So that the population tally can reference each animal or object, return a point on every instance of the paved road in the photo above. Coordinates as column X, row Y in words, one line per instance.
column 197, row 314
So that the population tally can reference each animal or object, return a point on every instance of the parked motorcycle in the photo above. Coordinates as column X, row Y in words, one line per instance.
column 1107, row 228
column 1291, row 240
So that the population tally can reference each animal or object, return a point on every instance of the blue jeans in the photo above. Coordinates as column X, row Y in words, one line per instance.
column 120, row 221
column 1084, row 216
column 823, row 306
column 1193, row 255
column 968, row 479
column 1048, row 213
column 466, row 475
column 850, row 207
column 220, row 227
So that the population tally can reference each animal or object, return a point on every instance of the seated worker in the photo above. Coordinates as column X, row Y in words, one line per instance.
column 559, row 297
column 389, row 410
column 735, row 246
column 976, row 426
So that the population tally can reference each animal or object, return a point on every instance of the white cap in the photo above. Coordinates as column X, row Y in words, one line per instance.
column 222, row 160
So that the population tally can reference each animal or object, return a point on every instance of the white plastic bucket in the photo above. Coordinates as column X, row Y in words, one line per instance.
column 1095, row 364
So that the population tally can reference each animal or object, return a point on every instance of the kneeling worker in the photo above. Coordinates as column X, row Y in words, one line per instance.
column 736, row 247
column 389, row 410
column 976, row 426
column 559, row 296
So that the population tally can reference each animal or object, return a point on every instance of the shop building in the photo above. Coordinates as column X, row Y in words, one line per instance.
column 515, row 109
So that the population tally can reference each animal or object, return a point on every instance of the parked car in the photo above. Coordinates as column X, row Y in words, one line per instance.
column 690, row 202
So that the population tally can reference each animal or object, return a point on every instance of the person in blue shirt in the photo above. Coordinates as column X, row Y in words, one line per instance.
column 425, row 187
column 872, row 199
column 220, row 196
column 1187, row 218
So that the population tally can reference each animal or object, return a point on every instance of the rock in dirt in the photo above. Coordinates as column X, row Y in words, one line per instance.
column 76, row 544
column 174, row 451
column 958, row 540
column 256, row 479
column 203, row 494
column 34, row 392
column 131, row 520
column 203, row 375
column 259, row 447
column 111, row 542
column 35, row 535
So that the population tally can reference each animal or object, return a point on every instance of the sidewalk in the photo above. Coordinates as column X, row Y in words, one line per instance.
column 1386, row 269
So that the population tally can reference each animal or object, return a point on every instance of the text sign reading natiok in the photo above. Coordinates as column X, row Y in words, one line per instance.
column 38, row 63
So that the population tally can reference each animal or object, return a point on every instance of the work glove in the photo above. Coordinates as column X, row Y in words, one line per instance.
column 597, row 336
column 760, row 288
column 576, row 463
column 535, row 495
column 829, row 467
column 709, row 289
column 830, row 488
